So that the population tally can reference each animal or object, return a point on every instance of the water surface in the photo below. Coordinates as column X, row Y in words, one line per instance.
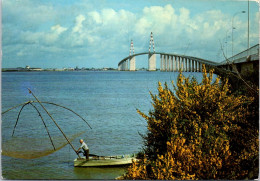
column 107, row 100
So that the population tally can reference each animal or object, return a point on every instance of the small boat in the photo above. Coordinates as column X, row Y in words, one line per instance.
column 104, row 161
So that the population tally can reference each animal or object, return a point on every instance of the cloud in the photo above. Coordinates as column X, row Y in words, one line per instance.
column 155, row 18
column 78, row 27
column 58, row 29
column 87, row 30
column 47, row 38
column 95, row 16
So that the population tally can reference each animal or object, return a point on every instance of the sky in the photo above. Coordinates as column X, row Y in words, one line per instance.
column 98, row 33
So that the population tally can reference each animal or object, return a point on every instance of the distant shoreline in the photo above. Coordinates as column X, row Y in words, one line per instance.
column 56, row 70
column 63, row 70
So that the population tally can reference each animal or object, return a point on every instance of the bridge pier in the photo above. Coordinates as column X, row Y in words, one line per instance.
column 186, row 66
column 171, row 60
column 189, row 67
column 200, row 67
column 192, row 65
column 163, row 63
column 168, row 63
column 126, row 65
column 132, row 64
column 181, row 63
column 175, row 64
column 152, row 62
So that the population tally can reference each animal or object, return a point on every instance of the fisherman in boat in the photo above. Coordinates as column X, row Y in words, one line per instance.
column 85, row 149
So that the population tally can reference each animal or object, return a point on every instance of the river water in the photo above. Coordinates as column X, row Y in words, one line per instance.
column 107, row 100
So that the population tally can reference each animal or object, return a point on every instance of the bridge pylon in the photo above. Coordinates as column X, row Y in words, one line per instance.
column 132, row 58
column 151, row 56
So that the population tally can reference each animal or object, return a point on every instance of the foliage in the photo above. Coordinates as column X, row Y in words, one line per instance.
column 197, row 131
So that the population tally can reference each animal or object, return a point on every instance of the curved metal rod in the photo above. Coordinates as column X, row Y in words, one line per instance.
column 48, row 103
column 19, row 116
column 43, row 124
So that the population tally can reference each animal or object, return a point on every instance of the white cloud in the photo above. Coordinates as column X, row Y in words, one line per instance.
column 58, row 29
column 96, row 17
column 48, row 37
column 84, row 29
column 156, row 18
column 108, row 15
column 78, row 26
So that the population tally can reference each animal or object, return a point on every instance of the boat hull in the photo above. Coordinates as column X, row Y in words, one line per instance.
column 103, row 161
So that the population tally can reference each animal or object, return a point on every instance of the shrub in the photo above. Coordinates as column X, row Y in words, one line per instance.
column 197, row 131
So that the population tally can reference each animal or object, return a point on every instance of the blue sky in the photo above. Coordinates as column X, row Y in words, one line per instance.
column 97, row 33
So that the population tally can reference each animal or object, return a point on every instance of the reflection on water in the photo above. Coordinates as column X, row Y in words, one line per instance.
column 99, row 173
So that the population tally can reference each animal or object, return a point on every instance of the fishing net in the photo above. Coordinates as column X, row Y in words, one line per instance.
column 30, row 148
column 32, row 134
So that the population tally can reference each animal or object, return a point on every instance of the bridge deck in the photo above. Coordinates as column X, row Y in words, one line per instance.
column 171, row 54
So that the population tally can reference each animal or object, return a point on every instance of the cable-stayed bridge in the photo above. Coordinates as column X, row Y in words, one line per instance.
column 247, row 60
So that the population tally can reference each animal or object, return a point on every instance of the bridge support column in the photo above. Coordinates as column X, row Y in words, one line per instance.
column 175, row 64
column 189, row 65
column 199, row 70
column 192, row 65
column 179, row 63
column 151, row 62
column 182, row 64
column 132, row 64
column 126, row 65
column 196, row 66
column 163, row 63
column 123, row 66
column 168, row 63
column 186, row 66
column 171, row 61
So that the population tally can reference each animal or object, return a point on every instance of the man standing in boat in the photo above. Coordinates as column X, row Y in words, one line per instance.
column 84, row 147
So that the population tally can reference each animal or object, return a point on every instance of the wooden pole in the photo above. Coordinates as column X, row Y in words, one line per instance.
column 14, row 107
column 53, row 121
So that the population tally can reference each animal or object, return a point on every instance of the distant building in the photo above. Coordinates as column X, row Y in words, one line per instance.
column 36, row 69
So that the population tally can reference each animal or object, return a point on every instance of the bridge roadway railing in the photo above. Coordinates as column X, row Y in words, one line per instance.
column 242, row 56
column 244, row 62
column 191, row 63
